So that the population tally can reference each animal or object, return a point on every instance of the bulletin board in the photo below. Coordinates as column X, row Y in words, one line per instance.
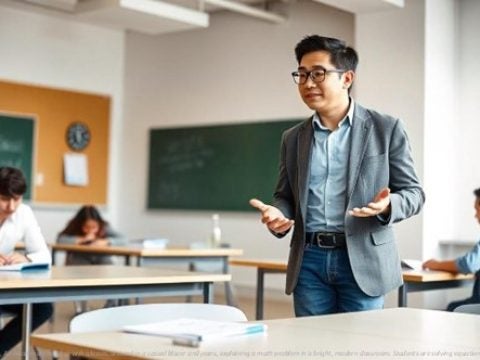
column 54, row 110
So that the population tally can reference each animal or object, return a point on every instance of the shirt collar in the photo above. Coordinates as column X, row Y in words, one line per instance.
column 317, row 124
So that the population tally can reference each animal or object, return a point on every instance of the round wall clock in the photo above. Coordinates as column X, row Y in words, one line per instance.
column 78, row 136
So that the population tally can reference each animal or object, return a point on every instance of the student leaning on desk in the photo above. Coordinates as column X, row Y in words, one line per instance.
column 466, row 264
column 89, row 228
column 17, row 223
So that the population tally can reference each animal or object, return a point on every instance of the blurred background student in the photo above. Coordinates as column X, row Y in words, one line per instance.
column 88, row 228
column 466, row 264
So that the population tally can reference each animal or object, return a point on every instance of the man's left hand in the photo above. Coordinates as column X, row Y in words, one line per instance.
column 379, row 206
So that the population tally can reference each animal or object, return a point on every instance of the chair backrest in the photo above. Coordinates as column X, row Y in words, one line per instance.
column 468, row 309
column 116, row 317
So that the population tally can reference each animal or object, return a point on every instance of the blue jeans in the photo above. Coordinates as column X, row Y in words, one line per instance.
column 326, row 285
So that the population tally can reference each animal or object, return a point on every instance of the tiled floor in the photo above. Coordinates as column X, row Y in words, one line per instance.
column 65, row 310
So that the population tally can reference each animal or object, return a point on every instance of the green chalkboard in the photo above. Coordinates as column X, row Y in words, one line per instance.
column 214, row 167
column 16, row 145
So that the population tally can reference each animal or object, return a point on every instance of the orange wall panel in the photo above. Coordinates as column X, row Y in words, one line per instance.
column 55, row 110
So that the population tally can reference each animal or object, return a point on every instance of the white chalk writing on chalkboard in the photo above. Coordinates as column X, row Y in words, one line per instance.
column 186, row 154
column 11, row 146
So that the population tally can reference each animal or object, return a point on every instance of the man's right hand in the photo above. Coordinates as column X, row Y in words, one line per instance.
column 272, row 217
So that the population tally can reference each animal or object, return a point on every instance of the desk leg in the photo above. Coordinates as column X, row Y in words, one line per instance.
column 402, row 295
column 228, row 285
column 54, row 252
column 26, row 330
column 259, row 306
column 208, row 293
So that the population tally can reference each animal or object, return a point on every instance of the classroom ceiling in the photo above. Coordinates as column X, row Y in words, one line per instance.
column 164, row 16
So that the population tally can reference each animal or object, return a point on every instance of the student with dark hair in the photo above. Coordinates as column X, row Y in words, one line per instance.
column 466, row 264
column 18, row 224
column 88, row 228
column 346, row 175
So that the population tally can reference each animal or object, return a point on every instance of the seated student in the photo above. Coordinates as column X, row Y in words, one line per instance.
column 18, row 224
column 468, row 263
column 89, row 228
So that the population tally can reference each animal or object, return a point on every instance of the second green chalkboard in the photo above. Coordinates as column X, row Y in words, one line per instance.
column 214, row 167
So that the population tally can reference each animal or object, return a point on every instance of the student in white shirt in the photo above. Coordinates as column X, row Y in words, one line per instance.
column 18, row 224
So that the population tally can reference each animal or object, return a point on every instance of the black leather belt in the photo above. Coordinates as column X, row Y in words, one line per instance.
column 326, row 239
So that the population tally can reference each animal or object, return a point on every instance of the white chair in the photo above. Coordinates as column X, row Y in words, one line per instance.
column 468, row 309
column 115, row 318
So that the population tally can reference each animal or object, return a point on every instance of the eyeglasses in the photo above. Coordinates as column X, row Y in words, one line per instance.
column 317, row 75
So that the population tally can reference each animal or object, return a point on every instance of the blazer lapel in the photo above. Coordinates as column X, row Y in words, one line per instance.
column 304, row 146
column 361, row 130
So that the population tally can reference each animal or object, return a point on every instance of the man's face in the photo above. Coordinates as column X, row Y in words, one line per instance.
column 477, row 209
column 8, row 205
column 327, row 95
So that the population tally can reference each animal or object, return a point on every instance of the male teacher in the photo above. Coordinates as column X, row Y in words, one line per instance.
column 346, row 175
column 17, row 223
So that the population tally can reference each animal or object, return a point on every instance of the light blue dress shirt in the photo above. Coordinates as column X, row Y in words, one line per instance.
column 327, row 185
column 470, row 262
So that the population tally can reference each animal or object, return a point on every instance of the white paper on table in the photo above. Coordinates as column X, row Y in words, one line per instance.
column 75, row 169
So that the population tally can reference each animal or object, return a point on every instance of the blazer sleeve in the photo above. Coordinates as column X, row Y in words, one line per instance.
column 407, row 196
column 283, row 197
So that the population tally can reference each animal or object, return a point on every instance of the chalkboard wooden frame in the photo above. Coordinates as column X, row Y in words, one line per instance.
column 17, row 145
column 215, row 167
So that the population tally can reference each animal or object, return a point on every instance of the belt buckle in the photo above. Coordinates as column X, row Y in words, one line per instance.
column 319, row 244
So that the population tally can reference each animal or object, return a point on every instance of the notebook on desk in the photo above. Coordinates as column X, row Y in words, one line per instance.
column 191, row 332
column 158, row 243
column 412, row 264
column 25, row 266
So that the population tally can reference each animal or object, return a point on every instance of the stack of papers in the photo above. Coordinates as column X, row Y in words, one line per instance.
column 190, row 332
column 155, row 243
column 25, row 266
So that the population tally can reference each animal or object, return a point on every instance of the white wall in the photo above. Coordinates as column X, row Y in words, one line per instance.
column 391, row 80
column 440, row 127
column 236, row 70
column 55, row 52
column 466, row 167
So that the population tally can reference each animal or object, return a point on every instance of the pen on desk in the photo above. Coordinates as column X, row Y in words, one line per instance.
column 187, row 340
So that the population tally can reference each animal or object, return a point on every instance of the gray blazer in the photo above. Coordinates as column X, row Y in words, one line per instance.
column 380, row 156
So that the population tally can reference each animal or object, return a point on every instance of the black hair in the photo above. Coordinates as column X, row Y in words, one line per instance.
column 12, row 182
column 476, row 192
column 341, row 55
column 87, row 212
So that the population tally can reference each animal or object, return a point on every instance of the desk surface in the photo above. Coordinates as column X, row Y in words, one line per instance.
column 100, row 275
column 148, row 252
column 267, row 264
column 382, row 334
column 408, row 275
column 430, row 276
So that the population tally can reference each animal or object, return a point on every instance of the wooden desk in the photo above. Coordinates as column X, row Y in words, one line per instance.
column 413, row 281
column 263, row 267
column 380, row 334
column 98, row 282
column 160, row 256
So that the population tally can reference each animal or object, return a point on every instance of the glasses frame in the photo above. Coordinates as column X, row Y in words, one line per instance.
column 309, row 75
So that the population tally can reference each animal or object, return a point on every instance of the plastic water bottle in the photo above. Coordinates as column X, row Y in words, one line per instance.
column 216, row 235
